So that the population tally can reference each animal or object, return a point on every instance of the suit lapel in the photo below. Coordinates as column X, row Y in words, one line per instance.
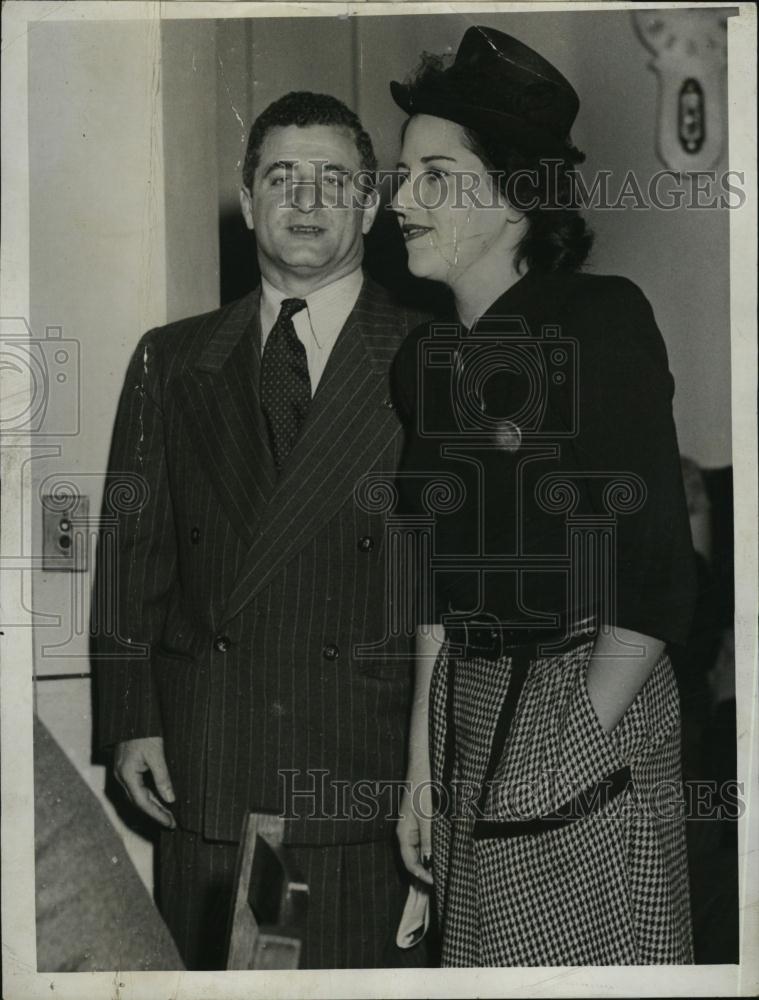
column 348, row 425
column 219, row 396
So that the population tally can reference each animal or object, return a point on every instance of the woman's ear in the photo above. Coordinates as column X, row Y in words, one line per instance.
column 513, row 215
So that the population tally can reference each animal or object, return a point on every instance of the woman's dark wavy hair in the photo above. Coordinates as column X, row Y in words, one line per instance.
column 540, row 185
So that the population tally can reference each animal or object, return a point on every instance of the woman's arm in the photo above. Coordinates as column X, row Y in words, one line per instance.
column 626, row 433
column 617, row 671
column 414, row 825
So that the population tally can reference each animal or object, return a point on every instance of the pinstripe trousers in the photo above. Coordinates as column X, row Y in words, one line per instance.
column 356, row 897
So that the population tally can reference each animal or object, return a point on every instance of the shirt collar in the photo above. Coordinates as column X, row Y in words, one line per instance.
column 328, row 308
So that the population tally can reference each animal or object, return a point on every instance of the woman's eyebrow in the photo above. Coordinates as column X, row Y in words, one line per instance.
column 400, row 165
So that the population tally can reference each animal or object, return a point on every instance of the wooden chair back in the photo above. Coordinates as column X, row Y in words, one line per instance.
column 270, row 901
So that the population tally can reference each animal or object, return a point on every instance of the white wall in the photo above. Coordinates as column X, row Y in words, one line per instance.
column 680, row 257
column 98, row 270
column 188, row 86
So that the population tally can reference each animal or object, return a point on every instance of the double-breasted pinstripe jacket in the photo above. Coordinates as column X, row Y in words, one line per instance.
column 230, row 603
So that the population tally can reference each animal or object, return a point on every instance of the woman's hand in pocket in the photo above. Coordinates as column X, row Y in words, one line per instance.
column 621, row 663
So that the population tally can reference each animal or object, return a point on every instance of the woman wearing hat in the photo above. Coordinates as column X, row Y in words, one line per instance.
column 540, row 441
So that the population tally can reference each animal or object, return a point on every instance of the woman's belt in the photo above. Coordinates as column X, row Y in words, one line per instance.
column 491, row 639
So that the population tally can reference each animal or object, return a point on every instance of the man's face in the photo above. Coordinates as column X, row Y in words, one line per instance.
column 308, row 215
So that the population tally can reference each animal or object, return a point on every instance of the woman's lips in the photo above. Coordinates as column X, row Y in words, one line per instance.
column 414, row 232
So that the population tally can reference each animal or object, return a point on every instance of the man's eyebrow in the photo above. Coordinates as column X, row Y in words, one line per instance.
column 333, row 168
column 279, row 165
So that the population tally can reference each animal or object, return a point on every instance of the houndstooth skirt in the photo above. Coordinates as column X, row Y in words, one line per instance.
column 522, row 879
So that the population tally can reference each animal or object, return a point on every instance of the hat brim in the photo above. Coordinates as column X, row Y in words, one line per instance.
column 532, row 138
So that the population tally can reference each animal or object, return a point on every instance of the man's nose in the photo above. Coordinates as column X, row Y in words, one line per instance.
column 306, row 195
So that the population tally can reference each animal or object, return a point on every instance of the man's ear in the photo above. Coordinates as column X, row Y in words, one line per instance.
column 246, row 204
column 371, row 207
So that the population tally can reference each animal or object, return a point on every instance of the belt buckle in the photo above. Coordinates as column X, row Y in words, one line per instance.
column 484, row 639
column 477, row 638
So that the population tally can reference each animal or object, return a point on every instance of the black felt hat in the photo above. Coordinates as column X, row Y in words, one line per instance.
column 497, row 85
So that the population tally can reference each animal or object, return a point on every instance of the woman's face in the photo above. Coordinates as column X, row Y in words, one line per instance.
column 450, row 210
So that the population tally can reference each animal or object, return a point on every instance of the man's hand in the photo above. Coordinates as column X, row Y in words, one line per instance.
column 132, row 760
column 414, row 832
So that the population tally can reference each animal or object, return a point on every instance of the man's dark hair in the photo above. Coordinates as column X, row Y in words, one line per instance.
column 541, row 186
column 302, row 108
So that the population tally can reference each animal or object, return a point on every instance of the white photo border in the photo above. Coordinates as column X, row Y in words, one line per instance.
column 16, row 694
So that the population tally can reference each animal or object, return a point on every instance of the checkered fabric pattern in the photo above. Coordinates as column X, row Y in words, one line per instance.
column 608, row 889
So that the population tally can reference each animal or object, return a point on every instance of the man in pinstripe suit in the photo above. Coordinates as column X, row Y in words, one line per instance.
column 242, row 591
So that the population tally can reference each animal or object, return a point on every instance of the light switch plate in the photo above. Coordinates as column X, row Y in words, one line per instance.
column 65, row 532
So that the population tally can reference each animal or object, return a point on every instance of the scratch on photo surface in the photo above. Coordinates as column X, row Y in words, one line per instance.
column 155, row 146
column 229, row 94
column 145, row 373
column 502, row 55
column 27, row 27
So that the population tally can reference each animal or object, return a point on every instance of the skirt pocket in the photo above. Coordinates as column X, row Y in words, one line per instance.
column 558, row 748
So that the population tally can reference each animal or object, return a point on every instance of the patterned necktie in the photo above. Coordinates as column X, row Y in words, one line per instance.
column 285, row 382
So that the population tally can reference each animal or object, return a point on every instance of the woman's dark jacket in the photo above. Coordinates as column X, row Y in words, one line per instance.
column 543, row 432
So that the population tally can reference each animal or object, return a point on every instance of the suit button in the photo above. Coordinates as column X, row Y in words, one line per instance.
column 330, row 652
column 387, row 403
column 366, row 544
column 221, row 643
column 195, row 536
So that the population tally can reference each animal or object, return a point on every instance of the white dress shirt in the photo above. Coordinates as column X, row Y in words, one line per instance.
column 318, row 325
